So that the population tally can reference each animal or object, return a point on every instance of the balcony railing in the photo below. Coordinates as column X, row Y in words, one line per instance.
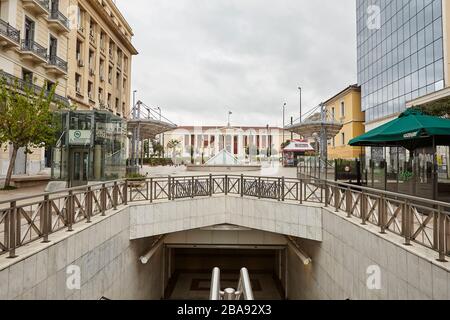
column 44, row 3
column 57, row 62
column 58, row 16
column 8, row 31
column 27, row 86
column 34, row 47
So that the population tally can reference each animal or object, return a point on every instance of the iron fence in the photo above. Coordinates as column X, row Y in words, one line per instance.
column 421, row 221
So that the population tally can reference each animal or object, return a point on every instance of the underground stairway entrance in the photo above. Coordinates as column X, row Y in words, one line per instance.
column 189, row 270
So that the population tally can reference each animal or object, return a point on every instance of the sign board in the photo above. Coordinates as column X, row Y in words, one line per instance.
column 79, row 137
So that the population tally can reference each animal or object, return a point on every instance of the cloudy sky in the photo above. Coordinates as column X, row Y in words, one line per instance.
column 200, row 58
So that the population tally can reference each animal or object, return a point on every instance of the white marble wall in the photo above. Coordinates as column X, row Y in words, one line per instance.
column 340, row 262
column 107, row 258
column 278, row 217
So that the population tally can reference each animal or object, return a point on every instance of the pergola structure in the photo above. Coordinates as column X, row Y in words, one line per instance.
column 321, row 126
column 145, row 124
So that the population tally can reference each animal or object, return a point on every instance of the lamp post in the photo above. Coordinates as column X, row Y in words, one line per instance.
column 284, row 125
column 300, row 90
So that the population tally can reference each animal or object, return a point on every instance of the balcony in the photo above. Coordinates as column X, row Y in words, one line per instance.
column 38, row 7
column 26, row 86
column 9, row 37
column 93, row 38
column 58, row 22
column 56, row 65
column 34, row 52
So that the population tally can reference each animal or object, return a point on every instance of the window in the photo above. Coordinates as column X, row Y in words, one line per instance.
column 90, row 90
column 102, row 41
column 53, row 48
column 110, row 75
column 342, row 109
column 109, row 100
column 79, row 50
column 27, row 76
column 118, row 80
column 30, row 28
column 91, row 62
column 123, row 109
column 100, row 95
column 117, row 105
column 343, row 138
column 50, row 85
column 78, row 83
column 80, row 18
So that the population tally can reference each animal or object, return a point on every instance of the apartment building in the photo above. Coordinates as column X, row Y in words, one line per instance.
column 100, row 58
column 345, row 107
column 33, row 50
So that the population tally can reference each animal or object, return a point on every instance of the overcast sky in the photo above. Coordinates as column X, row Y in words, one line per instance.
column 200, row 58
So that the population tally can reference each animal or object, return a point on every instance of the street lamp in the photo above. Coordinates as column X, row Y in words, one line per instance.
column 284, row 125
column 300, row 89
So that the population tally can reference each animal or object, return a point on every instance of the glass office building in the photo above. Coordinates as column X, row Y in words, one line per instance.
column 403, row 59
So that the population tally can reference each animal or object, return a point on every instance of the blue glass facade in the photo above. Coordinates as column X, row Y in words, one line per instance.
column 401, row 60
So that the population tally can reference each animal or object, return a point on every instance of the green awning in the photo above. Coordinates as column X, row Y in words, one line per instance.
column 411, row 129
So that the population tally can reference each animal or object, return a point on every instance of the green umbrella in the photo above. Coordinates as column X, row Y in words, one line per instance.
column 412, row 129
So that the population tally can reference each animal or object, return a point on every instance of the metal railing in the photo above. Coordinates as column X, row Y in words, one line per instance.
column 58, row 16
column 8, row 31
column 26, row 86
column 34, row 47
column 57, row 62
column 244, row 288
column 420, row 221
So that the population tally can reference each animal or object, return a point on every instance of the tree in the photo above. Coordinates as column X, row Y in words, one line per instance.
column 158, row 148
column 438, row 109
column 26, row 120
column 173, row 145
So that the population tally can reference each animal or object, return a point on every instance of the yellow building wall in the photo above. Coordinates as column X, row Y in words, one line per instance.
column 353, row 122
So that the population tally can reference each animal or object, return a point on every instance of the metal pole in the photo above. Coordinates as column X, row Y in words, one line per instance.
column 300, row 89
column 284, row 107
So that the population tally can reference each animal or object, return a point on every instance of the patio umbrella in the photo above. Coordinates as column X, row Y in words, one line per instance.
column 412, row 129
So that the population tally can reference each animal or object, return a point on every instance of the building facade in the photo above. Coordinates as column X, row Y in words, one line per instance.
column 400, row 54
column 34, row 49
column 245, row 143
column 345, row 107
column 100, row 55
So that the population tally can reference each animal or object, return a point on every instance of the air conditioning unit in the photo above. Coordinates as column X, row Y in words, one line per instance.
column 80, row 63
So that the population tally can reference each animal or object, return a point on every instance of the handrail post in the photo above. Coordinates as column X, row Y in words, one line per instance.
column 169, row 188
column 300, row 186
column 363, row 208
column 283, row 195
column 89, row 203
column 327, row 195
column 115, row 196
column 192, row 187
column 348, row 202
column 211, row 186
column 441, row 235
column 242, row 185
column 103, row 199
column 12, row 229
column 336, row 199
column 125, row 192
column 382, row 214
column 407, row 223
column 151, row 190
column 45, row 215
column 226, row 185
column 259, row 187
column 70, row 212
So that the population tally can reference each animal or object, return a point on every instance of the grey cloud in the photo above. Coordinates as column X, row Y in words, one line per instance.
column 200, row 58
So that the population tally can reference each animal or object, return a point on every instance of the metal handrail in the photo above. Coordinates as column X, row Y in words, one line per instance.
column 57, row 62
column 7, row 30
column 26, row 85
column 244, row 288
column 422, row 221
column 58, row 16
column 215, row 294
column 34, row 47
